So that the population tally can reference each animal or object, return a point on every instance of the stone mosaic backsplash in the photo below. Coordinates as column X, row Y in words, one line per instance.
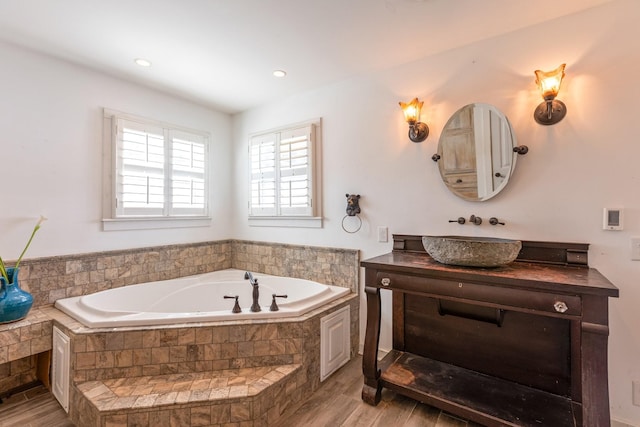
column 52, row 278
column 331, row 266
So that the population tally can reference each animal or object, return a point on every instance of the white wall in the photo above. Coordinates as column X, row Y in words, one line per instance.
column 51, row 156
column 573, row 170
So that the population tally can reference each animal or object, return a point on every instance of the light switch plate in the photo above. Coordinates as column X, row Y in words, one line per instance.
column 635, row 252
column 613, row 219
column 383, row 234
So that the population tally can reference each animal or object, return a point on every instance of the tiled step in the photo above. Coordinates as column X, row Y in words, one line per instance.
column 248, row 397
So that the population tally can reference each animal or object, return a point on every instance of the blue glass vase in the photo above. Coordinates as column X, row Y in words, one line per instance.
column 15, row 303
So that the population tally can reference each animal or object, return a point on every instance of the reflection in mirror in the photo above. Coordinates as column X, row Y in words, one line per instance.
column 476, row 152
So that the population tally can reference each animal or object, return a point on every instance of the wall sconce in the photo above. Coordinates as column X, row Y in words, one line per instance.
column 551, row 111
column 418, row 131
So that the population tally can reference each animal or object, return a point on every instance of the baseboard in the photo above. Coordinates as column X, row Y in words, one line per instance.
column 381, row 352
column 616, row 423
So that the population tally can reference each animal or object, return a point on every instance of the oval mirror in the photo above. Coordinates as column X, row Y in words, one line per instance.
column 476, row 156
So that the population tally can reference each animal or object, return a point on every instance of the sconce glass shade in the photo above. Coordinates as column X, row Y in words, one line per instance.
column 549, row 82
column 418, row 131
column 412, row 110
column 551, row 111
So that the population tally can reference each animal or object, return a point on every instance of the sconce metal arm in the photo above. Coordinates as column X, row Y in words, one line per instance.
column 418, row 132
column 550, row 112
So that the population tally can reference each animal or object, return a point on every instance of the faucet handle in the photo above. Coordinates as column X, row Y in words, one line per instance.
column 495, row 221
column 236, row 306
column 274, row 306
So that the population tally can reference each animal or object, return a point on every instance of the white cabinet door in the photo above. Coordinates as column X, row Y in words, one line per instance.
column 60, row 368
column 335, row 341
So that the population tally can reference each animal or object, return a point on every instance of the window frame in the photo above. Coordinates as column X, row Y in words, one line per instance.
column 113, row 218
column 312, row 219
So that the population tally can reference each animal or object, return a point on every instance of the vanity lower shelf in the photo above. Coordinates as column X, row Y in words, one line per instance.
column 475, row 396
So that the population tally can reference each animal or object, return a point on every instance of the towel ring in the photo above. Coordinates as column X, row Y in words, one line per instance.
column 359, row 223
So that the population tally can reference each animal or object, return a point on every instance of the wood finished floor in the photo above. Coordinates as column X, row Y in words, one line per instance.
column 33, row 408
column 336, row 403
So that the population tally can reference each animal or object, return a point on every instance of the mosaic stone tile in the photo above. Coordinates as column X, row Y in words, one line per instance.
column 130, row 353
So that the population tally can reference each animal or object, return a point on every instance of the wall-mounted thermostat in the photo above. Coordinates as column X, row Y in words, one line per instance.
column 612, row 219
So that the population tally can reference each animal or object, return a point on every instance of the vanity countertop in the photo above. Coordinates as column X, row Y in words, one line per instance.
column 528, row 275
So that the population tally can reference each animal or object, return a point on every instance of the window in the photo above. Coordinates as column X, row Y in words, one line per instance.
column 283, row 183
column 158, row 173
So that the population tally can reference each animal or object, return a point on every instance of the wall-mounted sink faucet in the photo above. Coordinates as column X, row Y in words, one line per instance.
column 477, row 220
column 255, row 307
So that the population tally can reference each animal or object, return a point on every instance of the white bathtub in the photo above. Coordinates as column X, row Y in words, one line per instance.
column 197, row 298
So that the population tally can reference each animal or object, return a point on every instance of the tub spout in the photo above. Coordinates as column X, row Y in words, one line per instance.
column 248, row 276
column 255, row 307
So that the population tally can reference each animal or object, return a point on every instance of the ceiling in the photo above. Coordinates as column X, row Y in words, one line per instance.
column 221, row 53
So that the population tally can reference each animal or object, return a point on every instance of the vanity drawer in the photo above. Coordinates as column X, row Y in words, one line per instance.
column 488, row 295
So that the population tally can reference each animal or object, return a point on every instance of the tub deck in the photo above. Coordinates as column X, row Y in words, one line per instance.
column 195, row 299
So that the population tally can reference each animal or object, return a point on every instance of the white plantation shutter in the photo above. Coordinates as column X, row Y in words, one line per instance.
column 140, row 169
column 160, row 172
column 281, row 165
column 263, row 175
column 188, row 174
column 295, row 172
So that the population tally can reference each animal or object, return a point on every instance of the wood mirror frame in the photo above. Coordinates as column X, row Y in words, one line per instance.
column 476, row 152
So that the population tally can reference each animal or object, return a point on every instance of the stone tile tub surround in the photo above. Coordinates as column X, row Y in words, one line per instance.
column 52, row 278
column 21, row 344
column 104, row 354
column 49, row 279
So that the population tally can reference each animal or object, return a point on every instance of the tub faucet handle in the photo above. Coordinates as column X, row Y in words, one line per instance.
column 236, row 306
column 274, row 306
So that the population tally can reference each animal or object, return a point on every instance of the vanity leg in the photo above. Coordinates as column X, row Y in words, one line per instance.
column 372, row 388
column 595, row 390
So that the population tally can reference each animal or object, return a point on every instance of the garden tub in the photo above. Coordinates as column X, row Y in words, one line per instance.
column 198, row 298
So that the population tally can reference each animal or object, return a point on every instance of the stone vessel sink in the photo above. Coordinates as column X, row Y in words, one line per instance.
column 471, row 251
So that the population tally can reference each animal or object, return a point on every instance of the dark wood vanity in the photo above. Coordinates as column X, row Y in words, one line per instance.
column 519, row 345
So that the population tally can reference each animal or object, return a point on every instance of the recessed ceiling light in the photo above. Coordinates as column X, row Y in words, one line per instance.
column 279, row 73
column 142, row 62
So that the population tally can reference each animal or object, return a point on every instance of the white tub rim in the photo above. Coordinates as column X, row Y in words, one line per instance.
column 338, row 295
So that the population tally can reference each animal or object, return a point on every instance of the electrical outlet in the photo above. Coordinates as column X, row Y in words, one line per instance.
column 636, row 393
column 383, row 234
